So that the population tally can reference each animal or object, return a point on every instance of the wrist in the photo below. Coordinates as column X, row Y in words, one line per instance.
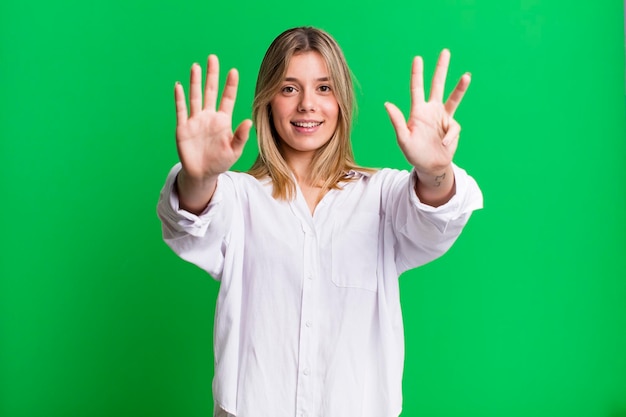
column 433, row 171
column 187, row 180
column 194, row 194
column 435, row 187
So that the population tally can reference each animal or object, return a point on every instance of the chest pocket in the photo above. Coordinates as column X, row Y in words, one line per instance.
column 355, row 252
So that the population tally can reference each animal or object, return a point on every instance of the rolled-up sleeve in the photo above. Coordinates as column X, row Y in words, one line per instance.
column 423, row 232
column 199, row 239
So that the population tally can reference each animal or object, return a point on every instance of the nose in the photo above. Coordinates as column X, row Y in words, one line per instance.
column 307, row 101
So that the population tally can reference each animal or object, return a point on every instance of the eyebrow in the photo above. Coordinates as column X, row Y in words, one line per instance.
column 293, row 79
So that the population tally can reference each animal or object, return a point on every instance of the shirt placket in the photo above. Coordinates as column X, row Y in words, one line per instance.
column 306, row 381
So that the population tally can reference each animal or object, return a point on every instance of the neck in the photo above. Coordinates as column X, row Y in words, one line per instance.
column 301, row 168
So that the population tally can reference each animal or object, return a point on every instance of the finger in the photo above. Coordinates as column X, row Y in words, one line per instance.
column 181, row 105
column 451, row 138
column 439, row 79
column 457, row 95
column 397, row 120
column 230, row 92
column 241, row 135
column 195, row 87
column 212, row 81
column 417, row 84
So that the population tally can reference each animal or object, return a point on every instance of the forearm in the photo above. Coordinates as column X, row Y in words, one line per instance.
column 194, row 195
column 435, row 188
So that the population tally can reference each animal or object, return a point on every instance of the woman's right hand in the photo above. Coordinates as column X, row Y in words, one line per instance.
column 206, row 143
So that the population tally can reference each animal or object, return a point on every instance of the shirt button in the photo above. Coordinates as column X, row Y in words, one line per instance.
column 309, row 324
column 307, row 372
column 310, row 277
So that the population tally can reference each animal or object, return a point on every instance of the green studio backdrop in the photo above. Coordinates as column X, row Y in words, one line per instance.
column 526, row 314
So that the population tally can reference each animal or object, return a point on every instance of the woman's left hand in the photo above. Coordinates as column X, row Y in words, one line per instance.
column 430, row 137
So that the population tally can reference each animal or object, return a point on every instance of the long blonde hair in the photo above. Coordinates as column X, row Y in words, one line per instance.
column 332, row 161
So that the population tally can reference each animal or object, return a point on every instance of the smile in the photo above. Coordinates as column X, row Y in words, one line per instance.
column 306, row 125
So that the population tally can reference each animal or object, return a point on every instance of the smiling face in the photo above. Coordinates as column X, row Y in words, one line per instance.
column 305, row 111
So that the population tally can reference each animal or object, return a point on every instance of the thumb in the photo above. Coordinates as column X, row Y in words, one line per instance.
column 397, row 120
column 241, row 135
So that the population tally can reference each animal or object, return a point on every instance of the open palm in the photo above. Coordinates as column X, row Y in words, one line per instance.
column 430, row 137
column 206, row 143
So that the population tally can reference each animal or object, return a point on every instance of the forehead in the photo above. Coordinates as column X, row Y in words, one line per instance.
column 307, row 64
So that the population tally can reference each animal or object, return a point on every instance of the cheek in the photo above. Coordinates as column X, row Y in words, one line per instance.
column 331, row 108
column 333, row 113
column 278, row 113
column 281, row 127
column 274, row 116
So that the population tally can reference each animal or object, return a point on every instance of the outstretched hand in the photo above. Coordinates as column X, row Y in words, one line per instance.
column 206, row 143
column 430, row 137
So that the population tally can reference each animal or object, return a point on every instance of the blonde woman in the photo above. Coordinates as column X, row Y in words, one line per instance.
column 307, row 245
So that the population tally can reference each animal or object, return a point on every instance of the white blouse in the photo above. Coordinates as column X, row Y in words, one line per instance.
column 308, row 319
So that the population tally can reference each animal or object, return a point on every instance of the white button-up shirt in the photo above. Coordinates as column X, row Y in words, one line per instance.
column 308, row 319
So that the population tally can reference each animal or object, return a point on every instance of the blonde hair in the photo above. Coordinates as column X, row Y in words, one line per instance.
column 332, row 161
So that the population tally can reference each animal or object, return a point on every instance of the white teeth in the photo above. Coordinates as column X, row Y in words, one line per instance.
column 307, row 124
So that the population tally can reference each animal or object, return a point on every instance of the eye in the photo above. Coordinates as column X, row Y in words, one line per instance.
column 288, row 89
column 325, row 88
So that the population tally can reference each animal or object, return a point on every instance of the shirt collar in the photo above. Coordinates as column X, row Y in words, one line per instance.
column 353, row 174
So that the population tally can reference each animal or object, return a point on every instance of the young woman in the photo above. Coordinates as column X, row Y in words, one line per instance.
column 307, row 245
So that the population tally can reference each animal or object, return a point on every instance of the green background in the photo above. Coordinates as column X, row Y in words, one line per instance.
column 525, row 316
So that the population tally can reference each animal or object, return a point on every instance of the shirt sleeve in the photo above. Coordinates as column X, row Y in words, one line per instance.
column 424, row 233
column 200, row 239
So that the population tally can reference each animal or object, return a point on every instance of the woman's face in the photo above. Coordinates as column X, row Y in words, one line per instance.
column 305, row 110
